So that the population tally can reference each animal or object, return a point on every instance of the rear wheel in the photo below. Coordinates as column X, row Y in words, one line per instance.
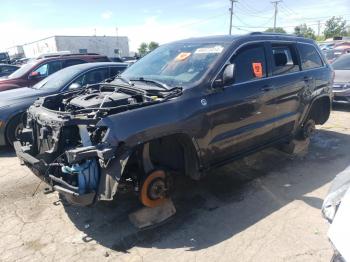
column 14, row 129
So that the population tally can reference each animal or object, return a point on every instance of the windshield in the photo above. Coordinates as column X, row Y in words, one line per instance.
column 177, row 64
column 3, row 56
column 22, row 70
column 342, row 63
column 59, row 79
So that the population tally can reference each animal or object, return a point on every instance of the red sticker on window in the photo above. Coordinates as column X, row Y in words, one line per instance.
column 257, row 70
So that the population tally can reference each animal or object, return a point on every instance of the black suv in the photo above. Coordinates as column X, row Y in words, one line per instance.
column 186, row 107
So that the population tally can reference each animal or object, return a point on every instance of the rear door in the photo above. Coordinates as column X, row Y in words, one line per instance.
column 315, row 73
column 288, row 83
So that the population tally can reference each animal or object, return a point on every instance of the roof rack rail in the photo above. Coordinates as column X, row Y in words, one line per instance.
column 64, row 55
column 271, row 33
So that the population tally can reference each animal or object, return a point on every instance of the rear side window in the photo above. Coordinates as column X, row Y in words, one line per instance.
column 284, row 59
column 72, row 62
column 310, row 58
column 250, row 63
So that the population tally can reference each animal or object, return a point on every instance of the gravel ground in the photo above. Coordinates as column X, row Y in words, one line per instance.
column 265, row 207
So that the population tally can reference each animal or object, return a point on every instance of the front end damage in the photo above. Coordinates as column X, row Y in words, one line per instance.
column 66, row 144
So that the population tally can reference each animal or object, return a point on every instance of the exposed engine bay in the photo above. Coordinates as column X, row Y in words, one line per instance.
column 64, row 142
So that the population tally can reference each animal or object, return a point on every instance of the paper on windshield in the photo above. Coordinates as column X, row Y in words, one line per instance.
column 182, row 56
column 209, row 50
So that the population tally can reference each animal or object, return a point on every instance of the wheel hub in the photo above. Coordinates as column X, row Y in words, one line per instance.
column 154, row 189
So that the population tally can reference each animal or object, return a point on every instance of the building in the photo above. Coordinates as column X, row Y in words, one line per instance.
column 15, row 52
column 105, row 45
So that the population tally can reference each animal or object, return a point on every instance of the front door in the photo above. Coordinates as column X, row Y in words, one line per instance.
column 241, row 114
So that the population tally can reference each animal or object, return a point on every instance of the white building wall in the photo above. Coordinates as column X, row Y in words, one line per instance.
column 104, row 45
column 15, row 51
column 47, row 45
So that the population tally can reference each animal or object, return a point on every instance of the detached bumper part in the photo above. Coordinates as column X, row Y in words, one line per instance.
column 82, row 195
column 94, row 181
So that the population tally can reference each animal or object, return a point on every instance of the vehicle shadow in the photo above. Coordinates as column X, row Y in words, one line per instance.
column 345, row 107
column 229, row 200
column 7, row 151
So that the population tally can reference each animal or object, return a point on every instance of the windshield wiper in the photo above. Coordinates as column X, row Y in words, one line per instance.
column 156, row 82
column 124, row 79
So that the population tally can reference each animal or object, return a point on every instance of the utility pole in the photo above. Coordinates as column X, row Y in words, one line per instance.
column 231, row 14
column 275, row 3
column 318, row 27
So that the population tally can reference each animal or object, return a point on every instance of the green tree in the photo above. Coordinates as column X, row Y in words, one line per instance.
column 335, row 26
column 278, row 30
column 152, row 45
column 145, row 48
column 305, row 31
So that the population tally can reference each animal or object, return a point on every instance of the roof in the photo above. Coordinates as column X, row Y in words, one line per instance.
column 232, row 38
column 97, row 64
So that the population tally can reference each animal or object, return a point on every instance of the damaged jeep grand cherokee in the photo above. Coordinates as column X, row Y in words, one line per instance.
column 186, row 107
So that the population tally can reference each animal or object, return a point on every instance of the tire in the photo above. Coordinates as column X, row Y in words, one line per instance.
column 13, row 129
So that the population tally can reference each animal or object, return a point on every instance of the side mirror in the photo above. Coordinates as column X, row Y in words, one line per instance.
column 74, row 86
column 34, row 75
column 227, row 77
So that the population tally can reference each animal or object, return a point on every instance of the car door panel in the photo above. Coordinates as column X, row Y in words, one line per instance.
column 289, row 86
column 241, row 114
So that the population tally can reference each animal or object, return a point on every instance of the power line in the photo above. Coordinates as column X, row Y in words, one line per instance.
column 247, row 13
column 275, row 3
column 231, row 14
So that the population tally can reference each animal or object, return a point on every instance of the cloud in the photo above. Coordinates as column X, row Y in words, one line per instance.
column 106, row 15
column 213, row 5
column 151, row 29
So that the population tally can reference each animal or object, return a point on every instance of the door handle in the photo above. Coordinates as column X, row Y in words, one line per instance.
column 307, row 78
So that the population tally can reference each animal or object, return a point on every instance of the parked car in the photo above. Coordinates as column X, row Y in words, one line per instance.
column 341, row 86
column 4, row 58
column 14, row 103
column 37, row 69
column 6, row 69
column 336, row 209
column 184, row 108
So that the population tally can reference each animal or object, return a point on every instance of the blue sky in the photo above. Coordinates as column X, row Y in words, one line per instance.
column 162, row 21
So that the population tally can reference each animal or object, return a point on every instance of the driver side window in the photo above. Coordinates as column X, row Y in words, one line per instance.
column 250, row 63
column 47, row 69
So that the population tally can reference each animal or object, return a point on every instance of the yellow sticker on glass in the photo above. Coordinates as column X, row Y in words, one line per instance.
column 182, row 56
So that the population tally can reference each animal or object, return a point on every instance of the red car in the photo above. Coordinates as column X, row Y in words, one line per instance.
column 37, row 69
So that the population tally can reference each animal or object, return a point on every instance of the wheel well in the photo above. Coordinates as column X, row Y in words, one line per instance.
column 174, row 152
column 320, row 110
column 16, row 117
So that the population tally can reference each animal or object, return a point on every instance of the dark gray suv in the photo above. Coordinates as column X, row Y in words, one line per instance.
column 184, row 108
